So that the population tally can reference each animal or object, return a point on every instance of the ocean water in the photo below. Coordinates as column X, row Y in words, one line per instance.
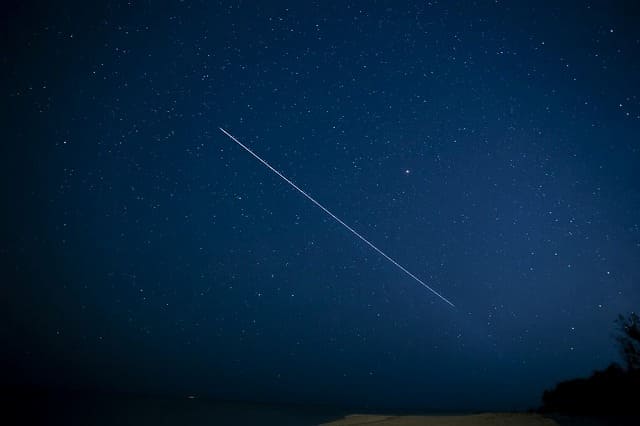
column 143, row 411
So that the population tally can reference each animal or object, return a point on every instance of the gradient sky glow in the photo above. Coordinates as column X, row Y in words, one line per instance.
column 491, row 147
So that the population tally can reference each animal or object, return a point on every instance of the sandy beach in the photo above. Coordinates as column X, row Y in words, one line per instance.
column 493, row 419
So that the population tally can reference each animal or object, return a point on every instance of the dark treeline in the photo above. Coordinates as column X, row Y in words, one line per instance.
column 615, row 390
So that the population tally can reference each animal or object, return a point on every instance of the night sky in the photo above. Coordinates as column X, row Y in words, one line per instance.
column 492, row 148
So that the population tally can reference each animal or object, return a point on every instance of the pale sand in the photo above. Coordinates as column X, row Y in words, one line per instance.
column 487, row 419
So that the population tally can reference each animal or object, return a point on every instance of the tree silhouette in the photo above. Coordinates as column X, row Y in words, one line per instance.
column 612, row 391
column 629, row 340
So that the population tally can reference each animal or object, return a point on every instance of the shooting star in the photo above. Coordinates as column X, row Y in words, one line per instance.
column 336, row 218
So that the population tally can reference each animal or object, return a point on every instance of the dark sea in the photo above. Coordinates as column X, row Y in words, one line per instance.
column 156, row 411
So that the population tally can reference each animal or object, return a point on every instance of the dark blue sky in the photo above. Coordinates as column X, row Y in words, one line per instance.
column 490, row 147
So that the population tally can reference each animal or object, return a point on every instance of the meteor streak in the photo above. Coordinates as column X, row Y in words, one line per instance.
column 336, row 218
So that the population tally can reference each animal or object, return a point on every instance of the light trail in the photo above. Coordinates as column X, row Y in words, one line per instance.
column 336, row 218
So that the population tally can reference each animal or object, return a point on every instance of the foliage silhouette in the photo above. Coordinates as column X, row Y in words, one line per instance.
column 614, row 390
column 629, row 340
